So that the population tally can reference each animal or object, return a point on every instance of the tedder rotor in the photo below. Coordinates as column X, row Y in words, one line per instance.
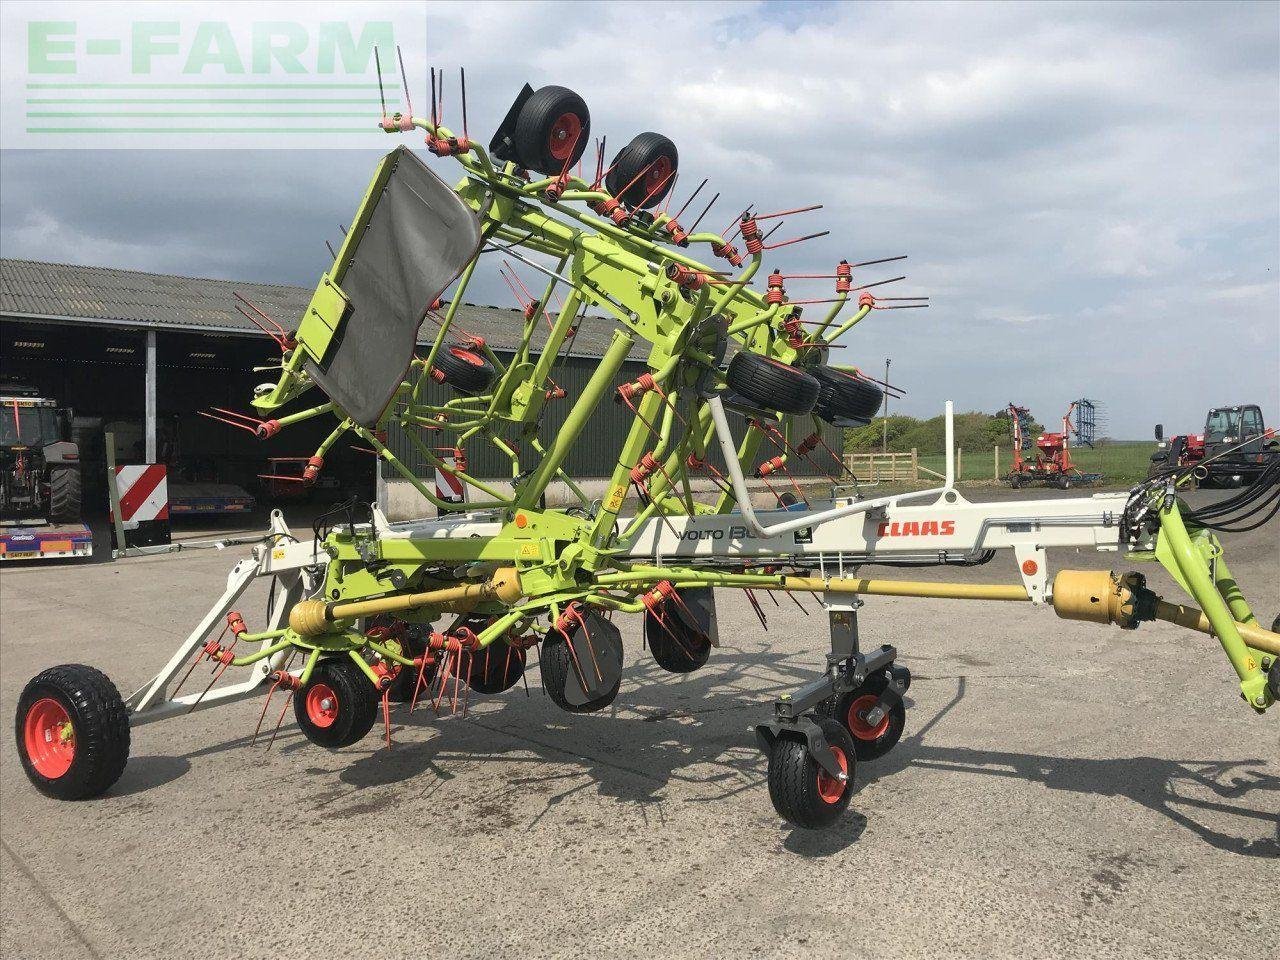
column 738, row 384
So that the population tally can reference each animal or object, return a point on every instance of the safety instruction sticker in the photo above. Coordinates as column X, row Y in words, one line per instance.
column 619, row 493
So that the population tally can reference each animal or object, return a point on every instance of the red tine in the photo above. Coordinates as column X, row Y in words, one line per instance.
column 787, row 243
column 785, row 213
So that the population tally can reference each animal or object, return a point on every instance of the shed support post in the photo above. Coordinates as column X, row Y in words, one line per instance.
column 150, row 416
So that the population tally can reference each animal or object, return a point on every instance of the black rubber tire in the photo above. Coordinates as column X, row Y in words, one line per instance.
column 870, row 749
column 415, row 645
column 793, row 779
column 99, row 722
column 1064, row 483
column 64, row 494
column 464, row 369
column 555, row 662
column 770, row 384
column 497, row 668
column 539, row 123
column 685, row 652
column 646, row 150
column 844, row 396
column 357, row 704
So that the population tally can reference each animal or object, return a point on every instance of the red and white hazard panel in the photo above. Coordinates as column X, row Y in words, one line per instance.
column 144, row 504
column 449, row 487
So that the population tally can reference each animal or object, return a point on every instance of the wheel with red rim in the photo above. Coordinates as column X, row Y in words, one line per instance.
column 552, row 130
column 338, row 705
column 466, row 370
column 643, row 171
column 870, row 740
column 72, row 730
column 802, row 790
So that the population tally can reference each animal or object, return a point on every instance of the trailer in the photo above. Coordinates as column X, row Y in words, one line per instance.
column 59, row 541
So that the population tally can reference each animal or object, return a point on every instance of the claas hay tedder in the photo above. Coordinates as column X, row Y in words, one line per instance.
column 738, row 383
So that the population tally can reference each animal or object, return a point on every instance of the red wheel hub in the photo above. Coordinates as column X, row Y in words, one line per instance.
column 474, row 359
column 49, row 738
column 856, row 720
column 659, row 172
column 564, row 135
column 322, row 705
column 830, row 788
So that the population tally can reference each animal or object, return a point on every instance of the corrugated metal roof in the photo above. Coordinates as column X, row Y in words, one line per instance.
column 69, row 292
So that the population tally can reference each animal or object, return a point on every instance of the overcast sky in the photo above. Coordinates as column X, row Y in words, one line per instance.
column 1090, row 194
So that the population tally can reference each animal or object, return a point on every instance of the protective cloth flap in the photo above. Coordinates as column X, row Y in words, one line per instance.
column 412, row 238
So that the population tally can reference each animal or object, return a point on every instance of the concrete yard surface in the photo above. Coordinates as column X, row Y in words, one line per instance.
column 1062, row 789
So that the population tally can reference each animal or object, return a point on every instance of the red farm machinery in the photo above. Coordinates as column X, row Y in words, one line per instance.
column 1048, row 460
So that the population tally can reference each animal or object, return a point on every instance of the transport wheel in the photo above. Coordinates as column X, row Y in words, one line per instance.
column 772, row 385
column 73, row 732
column 801, row 790
column 845, row 396
column 552, row 130
column 677, row 644
column 643, row 171
column 465, row 370
column 496, row 668
column 64, row 494
column 557, row 664
column 338, row 706
column 870, row 741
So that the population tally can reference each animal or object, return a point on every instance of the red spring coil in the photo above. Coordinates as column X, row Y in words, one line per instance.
column 314, row 466
column 694, row 462
column 686, row 278
column 386, row 672
column 655, row 598
column 437, row 375
column 571, row 617
column 235, row 623
column 808, row 443
column 530, row 310
column 644, row 383
column 677, row 233
column 267, row 429
column 436, row 304
column 844, row 277
column 556, row 393
column 727, row 251
column 770, row 466
column 475, row 342
column 866, row 300
column 751, row 236
column 776, row 293
column 553, row 192
column 644, row 469
column 282, row 678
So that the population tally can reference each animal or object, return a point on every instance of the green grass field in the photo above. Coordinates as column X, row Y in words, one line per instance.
column 1120, row 462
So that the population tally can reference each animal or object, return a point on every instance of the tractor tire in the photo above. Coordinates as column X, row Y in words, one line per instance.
column 465, row 370
column 643, row 171
column 869, row 741
column 771, row 384
column 845, row 396
column 497, row 668
column 679, row 646
column 552, row 130
column 73, row 732
column 338, row 706
column 803, row 792
column 64, row 494
column 556, row 663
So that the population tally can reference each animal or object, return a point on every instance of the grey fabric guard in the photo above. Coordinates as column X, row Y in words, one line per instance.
column 420, row 237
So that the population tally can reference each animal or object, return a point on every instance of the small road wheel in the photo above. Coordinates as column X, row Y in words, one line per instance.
column 552, row 130
column 496, row 668
column 464, row 369
column 870, row 740
column 801, row 790
column 675, row 646
column 771, row 384
column 73, row 732
column 643, row 171
column 1064, row 483
column 338, row 706
column 64, row 494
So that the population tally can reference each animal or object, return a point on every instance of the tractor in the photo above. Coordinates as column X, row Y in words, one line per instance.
column 1236, row 448
column 39, row 462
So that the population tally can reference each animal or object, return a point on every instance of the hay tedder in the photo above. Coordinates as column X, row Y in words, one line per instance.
column 367, row 613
